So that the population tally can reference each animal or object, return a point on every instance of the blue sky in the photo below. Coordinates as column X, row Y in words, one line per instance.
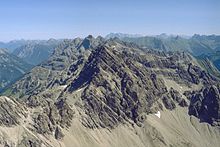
column 43, row 19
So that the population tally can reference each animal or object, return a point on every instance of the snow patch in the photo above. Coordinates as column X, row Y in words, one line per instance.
column 63, row 86
column 79, row 90
column 158, row 114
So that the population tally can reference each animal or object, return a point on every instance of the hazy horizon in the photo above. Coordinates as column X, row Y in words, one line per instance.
column 33, row 20
column 73, row 37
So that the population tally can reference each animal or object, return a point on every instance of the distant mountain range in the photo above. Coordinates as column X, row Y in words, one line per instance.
column 35, row 52
column 31, row 51
column 11, row 68
column 197, row 44
column 12, row 45
column 20, row 56
column 122, row 35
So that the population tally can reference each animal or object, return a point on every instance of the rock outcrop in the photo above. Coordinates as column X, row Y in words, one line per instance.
column 205, row 104
column 10, row 112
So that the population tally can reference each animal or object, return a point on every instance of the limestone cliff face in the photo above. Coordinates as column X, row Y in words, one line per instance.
column 91, row 86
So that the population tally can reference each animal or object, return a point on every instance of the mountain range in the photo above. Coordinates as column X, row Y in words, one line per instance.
column 11, row 68
column 35, row 52
column 204, row 47
column 122, row 35
column 19, row 56
column 197, row 44
column 12, row 45
column 108, row 92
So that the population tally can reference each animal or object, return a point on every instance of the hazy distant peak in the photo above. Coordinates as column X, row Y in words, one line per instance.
column 51, row 40
column 122, row 35
column 163, row 35
column 90, row 37
column 100, row 38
